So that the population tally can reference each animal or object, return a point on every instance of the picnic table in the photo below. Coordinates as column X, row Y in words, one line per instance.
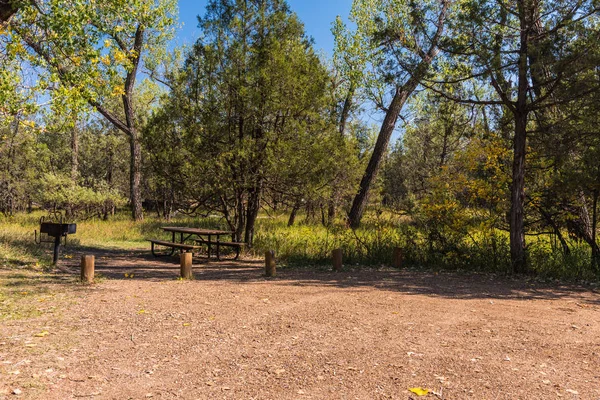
column 208, row 237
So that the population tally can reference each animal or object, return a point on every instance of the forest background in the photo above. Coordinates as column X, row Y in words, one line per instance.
column 485, row 158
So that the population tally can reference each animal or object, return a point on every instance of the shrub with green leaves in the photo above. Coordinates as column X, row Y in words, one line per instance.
column 59, row 193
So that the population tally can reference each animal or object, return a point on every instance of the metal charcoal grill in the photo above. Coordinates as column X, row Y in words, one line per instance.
column 54, row 232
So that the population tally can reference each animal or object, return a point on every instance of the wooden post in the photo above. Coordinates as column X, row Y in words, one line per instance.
column 186, row 265
column 87, row 269
column 270, row 267
column 337, row 260
column 397, row 258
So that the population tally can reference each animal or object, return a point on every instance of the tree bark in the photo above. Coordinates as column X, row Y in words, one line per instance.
column 521, row 113
column 135, row 168
column 252, row 209
column 389, row 123
column 135, row 176
column 129, row 126
column 239, row 216
column 7, row 10
column 595, row 248
column 293, row 213
column 517, row 226
column 387, row 128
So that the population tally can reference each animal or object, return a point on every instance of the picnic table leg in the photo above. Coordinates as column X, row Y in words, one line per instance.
column 161, row 255
column 218, row 249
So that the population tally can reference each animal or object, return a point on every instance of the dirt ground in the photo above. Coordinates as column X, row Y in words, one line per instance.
column 233, row 334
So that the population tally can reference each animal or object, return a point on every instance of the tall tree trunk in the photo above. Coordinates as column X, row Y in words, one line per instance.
column 387, row 128
column 518, row 249
column 293, row 213
column 595, row 248
column 135, row 169
column 239, row 217
column 135, row 177
column 332, row 209
column 111, row 168
column 389, row 122
column 517, row 225
column 252, row 209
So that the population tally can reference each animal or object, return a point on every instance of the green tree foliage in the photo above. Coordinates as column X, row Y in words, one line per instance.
column 58, row 193
column 91, row 53
column 499, row 141
column 391, row 51
column 245, row 124
column 22, row 157
column 526, row 51
column 449, row 175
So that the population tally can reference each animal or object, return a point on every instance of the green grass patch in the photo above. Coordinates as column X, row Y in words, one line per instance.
column 309, row 243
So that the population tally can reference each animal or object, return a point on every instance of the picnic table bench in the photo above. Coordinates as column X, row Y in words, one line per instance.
column 172, row 245
column 198, row 236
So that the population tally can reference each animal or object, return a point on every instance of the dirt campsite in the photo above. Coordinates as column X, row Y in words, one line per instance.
column 139, row 332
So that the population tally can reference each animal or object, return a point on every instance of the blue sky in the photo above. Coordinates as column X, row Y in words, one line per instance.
column 317, row 16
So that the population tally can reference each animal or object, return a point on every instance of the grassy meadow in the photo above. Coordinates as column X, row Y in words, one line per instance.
column 309, row 243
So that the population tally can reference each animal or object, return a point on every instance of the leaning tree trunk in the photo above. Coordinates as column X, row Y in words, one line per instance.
column 389, row 123
column 387, row 128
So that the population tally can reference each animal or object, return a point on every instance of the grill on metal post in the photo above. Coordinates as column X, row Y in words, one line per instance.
column 56, row 231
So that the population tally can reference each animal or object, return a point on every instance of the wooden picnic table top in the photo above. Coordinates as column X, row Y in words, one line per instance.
column 195, row 231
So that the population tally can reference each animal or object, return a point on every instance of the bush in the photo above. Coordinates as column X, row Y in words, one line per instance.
column 58, row 193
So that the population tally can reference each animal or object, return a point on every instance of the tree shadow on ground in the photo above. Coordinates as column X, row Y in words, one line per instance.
column 30, row 282
column 143, row 266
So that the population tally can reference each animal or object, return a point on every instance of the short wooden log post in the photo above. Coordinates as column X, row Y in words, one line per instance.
column 337, row 260
column 87, row 268
column 270, row 266
column 397, row 258
column 186, row 265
